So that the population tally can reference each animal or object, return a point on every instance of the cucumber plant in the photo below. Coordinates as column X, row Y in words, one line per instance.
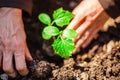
column 63, row 44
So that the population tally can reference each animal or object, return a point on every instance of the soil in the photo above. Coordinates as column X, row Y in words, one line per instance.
column 99, row 61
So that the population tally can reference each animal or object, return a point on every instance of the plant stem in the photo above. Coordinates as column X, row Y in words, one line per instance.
column 52, row 23
column 60, row 34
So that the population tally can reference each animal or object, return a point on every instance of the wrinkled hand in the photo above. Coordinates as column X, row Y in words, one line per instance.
column 13, row 48
column 88, row 20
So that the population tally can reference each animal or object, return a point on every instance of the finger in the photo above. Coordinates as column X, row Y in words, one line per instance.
column 20, row 62
column 84, row 37
column 88, row 33
column 78, row 44
column 79, row 17
column 77, row 20
column 98, row 24
column 90, row 19
column 91, row 37
column 28, row 55
column 82, row 29
column 83, row 33
column 7, row 62
column 96, row 20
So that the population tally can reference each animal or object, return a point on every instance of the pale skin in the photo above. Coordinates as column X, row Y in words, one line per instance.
column 13, row 42
column 89, row 18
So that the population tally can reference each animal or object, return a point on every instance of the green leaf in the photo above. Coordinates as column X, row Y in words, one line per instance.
column 62, row 17
column 58, row 13
column 46, row 36
column 44, row 18
column 63, row 47
column 69, row 33
column 51, row 30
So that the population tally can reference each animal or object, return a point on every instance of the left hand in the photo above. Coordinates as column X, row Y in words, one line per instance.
column 13, row 47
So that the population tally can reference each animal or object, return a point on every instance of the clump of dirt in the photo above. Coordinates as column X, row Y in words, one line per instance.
column 66, row 72
column 43, row 69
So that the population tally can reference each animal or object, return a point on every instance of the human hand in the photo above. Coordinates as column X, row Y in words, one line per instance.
column 88, row 20
column 13, row 47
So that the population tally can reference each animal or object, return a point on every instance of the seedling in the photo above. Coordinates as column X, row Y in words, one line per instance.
column 63, row 44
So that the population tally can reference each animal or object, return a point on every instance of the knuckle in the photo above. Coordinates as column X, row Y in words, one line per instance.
column 7, row 45
column 7, row 42
column 18, row 44
column 19, row 48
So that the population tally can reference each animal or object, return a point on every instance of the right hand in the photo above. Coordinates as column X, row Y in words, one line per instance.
column 88, row 20
column 13, row 47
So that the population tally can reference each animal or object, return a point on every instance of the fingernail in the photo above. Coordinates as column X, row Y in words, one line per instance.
column 84, row 45
column 13, row 74
column 30, row 58
column 24, row 72
column 76, row 51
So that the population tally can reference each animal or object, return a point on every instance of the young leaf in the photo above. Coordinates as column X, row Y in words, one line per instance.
column 69, row 33
column 62, row 17
column 58, row 13
column 46, row 36
column 44, row 18
column 51, row 30
column 63, row 47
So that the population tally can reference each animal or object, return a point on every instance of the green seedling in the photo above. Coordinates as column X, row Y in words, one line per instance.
column 63, row 44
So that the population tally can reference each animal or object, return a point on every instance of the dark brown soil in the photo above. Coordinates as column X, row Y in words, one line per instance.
column 99, row 61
